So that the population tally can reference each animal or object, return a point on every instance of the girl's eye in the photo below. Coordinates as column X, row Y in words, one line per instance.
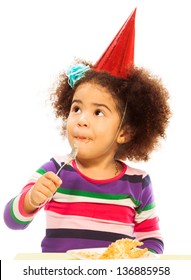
column 99, row 113
column 75, row 109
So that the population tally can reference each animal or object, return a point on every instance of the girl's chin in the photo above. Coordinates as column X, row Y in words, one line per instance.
column 84, row 155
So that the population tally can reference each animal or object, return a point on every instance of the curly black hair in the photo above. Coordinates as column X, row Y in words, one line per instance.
column 141, row 100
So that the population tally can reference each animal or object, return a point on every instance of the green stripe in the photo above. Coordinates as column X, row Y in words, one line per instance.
column 14, row 217
column 97, row 195
column 147, row 207
column 152, row 251
column 41, row 171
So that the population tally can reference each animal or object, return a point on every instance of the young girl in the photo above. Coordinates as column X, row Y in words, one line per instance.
column 95, row 198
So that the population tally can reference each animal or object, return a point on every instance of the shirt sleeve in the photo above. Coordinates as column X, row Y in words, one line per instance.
column 14, row 215
column 146, row 220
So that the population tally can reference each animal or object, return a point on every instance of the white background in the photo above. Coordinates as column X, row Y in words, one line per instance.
column 39, row 38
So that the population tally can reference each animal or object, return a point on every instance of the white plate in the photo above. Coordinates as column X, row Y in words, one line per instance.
column 94, row 253
column 82, row 254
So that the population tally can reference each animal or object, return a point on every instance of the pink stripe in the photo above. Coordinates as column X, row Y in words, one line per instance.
column 27, row 187
column 55, row 220
column 150, row 234
column 123, row 214
column 101, row 181
column 21, row 201
column 147, row 225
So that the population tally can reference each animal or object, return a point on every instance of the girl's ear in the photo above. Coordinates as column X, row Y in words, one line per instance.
column 124, row 136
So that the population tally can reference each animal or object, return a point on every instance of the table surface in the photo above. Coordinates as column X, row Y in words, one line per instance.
column 65, row 256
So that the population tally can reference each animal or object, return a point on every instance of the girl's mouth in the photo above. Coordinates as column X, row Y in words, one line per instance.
column 83, row 139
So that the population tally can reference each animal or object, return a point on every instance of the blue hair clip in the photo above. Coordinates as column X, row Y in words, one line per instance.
column 76, row 72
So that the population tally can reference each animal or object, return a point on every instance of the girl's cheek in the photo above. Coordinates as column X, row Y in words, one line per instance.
column 70, row 120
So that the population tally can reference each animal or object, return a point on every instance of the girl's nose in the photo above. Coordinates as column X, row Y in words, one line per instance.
column 83, row 120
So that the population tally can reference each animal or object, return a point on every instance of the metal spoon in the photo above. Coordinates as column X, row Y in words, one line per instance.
column 71, row 157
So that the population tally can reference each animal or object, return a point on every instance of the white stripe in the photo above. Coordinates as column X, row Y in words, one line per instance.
column 135, row 171
column 58, row 197
column 34, row 177
column 16, row 212
column 147, row 214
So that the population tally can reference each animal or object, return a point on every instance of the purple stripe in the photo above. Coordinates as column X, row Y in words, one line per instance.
column 84, row 234
column 154, row 244
column 50, row 166
column 9, row 221
column 64, row 244
column 61, row 240
column 73, row 180
column 147, row 196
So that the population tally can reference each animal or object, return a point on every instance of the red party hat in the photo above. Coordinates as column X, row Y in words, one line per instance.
column 120, row 52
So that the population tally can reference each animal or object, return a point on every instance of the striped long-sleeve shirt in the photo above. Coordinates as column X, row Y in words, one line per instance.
column 89, row 213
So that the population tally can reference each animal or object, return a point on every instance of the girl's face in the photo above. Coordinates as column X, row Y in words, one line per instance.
column 93, row 122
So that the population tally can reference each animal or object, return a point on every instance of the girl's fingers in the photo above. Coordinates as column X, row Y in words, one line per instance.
column 51, row 181
column 45, row 187
column 54, row 178
column 45, row 191
column 47, row 183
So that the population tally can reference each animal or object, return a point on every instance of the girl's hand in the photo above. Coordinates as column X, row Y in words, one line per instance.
column 43, row 189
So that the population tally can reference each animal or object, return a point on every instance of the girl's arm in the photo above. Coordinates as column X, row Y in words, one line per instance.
column 146, row 220
column 15, row 216
column 20, row 211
